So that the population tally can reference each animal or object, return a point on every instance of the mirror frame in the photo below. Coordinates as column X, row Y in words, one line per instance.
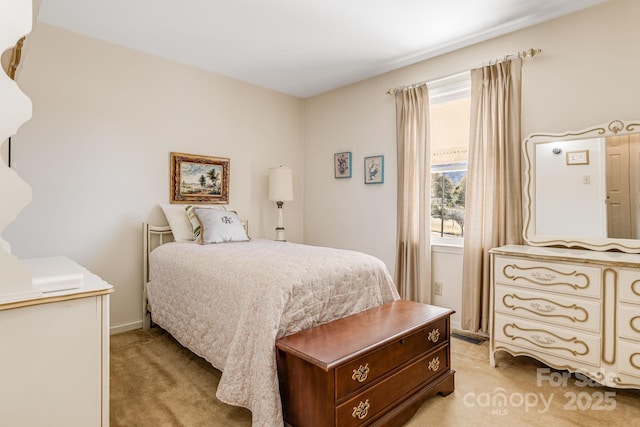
column 614, row 127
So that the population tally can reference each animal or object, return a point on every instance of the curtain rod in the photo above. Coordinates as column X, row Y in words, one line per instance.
column 525, row 54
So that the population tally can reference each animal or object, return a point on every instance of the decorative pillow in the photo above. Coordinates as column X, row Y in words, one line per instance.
column 220, row 226
column 193, row 219
column 179, row 222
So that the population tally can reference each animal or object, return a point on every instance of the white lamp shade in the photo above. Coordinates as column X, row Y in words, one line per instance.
column 280, row 184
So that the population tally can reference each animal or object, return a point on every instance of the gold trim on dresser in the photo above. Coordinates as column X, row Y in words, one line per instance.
column 56, row 298
column 598, row 376
column 633, row 287
column 621, row 383
column 609, row 315
column 635, row 365
column 547, row 309
column 545, row 278
column 545, row 342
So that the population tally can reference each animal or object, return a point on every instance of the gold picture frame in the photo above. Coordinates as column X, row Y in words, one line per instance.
column 199, row 179
column 578, row 157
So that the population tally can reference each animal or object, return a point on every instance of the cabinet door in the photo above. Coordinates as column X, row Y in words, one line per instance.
column 51, row 364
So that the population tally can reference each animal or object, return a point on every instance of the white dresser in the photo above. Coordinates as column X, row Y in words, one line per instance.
column 572, row 309
column 54, row 358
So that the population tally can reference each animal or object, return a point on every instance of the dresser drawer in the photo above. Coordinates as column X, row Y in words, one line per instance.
column 568, row 344
column 629, row 286
column 629, row 358
column 629, row 322
column 374, row 400
column 362, row 371
column 549, row 307
column 557, row 277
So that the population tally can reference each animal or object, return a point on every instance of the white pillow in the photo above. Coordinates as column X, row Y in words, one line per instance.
column 183, row 226
column 179, row 222
column 195, row 222
column 220, row 226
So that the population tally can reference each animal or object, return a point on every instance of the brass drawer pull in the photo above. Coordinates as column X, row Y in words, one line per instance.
column 361, row 373
column 434, row 365
column 434, row 335
column 361, row 411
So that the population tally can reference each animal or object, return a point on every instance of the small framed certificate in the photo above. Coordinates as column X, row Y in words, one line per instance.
column 580, row 157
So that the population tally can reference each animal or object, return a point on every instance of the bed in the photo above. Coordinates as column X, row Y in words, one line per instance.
column 229, row 302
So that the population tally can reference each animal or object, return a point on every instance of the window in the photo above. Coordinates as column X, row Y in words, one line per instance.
column 448, row 183
column 449, row 104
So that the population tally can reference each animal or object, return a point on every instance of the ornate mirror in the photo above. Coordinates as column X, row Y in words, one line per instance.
column 582, row 188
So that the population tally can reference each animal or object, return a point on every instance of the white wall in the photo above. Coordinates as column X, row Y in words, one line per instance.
column 566, row 188
column 586, row 75
column 96, row 152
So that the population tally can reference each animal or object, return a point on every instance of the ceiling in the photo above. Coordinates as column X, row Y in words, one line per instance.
column 300, row 47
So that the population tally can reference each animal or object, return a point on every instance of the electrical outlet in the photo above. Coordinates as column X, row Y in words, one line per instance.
column 438, row 288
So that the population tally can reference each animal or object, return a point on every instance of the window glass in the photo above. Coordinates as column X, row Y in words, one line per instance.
column 449, row 124
column 448, row 185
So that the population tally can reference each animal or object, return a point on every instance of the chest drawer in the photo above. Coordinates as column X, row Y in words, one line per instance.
column 546, row 307
column 629, row 286
column 568, row 344
column 374, row 400
column 360, row 372
column 629, row 358
column 556, row 277
column 629, row 322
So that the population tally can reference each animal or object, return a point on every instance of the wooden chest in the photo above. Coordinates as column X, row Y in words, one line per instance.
column 372, row 368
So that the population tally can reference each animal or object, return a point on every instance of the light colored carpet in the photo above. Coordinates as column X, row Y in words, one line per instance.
column 157, row 382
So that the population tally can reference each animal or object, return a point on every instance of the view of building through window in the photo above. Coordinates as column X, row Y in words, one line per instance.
column 449, row 124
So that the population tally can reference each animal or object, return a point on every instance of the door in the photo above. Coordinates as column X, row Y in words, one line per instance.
column 618, row 188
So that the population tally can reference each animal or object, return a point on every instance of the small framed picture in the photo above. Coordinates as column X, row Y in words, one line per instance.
column 580, row 157
column 374, row 170
column 342, row 164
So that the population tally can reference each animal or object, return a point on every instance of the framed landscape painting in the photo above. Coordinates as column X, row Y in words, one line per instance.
column 199, row 179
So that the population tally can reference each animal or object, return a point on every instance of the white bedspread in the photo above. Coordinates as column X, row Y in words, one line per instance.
column 229, row 302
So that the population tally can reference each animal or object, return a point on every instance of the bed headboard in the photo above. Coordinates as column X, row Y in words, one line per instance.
column 152, row 237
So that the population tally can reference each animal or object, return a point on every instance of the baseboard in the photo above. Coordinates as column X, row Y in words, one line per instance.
column 456, row 325
column 125, row 327
column 478, row 335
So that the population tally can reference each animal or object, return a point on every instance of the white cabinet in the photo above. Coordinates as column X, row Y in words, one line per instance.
column 54, row 358
column 571, row 309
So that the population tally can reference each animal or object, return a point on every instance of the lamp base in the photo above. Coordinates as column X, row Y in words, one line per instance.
column 280, row 227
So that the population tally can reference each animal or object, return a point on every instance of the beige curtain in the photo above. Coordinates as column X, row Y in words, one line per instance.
column 493, row 206
column 413, row 255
